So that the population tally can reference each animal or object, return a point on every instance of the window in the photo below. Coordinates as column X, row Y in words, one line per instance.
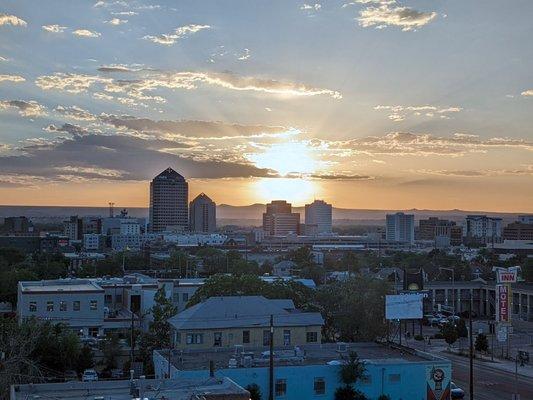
column 286, row 337
column 185, row 297
column 246, row 336
column 266, row 338
column 62, row 306
column 312, row 337
column 118, row 298
column 108, row 299
column 217, row 336
column 76, row 305
column 319, row 386
column 49, row 306
column 93, row 332
column 93, row 305
column 394, row 378
column 195, row 338
column 281, row 387
column 33, row 306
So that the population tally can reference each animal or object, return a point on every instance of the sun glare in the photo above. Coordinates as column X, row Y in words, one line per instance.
column 294, row 190
column 286, row 158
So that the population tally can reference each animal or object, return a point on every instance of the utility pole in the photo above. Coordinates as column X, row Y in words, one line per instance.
column 471, row 348
column 271, row 363
column 132, row 341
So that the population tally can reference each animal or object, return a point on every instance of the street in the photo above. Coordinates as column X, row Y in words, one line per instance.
column 489, row 383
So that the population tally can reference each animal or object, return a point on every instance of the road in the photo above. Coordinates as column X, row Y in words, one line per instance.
column 489, row 383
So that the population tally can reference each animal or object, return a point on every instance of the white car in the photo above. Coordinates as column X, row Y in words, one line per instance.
column 89, row 375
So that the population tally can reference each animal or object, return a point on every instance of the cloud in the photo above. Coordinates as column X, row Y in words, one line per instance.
column 11, row 78
column 7, row 19
column 309, row 7
column 125, row 13
column 399, row 113
column 86, row 33
column 71, row 129
column 71, row 83
column 410, row 144
column 54, row 28
column 244, row 56
column 525, row 170
column 528, row 92
column 142, row 87
column 177, row 34
column 116, row 21
column 192, row 129
column 383, row 14
column 119, row 68
column 75, row 112
column 342, row 177
column 86, row 156
column 24, row 108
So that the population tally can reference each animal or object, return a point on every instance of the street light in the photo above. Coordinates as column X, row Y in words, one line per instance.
column 453, row 284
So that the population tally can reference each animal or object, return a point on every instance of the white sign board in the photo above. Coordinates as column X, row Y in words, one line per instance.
column 501, row 333
column 404, row 306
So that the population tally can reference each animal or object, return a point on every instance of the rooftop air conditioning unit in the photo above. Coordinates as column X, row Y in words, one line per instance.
column 342, row 347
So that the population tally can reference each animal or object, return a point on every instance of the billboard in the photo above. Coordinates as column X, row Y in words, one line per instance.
column 502, row 298
column 404, row 306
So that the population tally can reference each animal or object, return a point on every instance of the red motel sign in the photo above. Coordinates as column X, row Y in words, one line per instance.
column 503, row 303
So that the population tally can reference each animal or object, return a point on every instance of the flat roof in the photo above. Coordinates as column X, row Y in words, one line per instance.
column 313, row 354
column 60, row 285
column 182, row 389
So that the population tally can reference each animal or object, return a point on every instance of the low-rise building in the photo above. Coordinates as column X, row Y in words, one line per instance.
column 224, row 322
column 205, row 388
column 125, row 242
column 312, row 371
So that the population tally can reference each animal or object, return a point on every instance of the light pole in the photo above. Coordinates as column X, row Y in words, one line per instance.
column 453, row 284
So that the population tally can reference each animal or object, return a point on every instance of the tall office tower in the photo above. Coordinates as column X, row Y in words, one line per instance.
column 401, row 227
column 279, row 220
column 169, row 194
column 203, row 214
column 318, row 216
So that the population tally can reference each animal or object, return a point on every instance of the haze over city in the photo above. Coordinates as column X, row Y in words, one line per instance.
column 372, row 104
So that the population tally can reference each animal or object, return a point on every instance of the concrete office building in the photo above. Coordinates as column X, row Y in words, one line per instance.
column 318, row 215
column 401, row 227
column 279, row 220
column 169, row 195
column 203, row 214
column 73, row 228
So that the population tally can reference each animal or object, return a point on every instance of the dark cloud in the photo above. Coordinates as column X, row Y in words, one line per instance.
column 117, row 157
column 343, row 177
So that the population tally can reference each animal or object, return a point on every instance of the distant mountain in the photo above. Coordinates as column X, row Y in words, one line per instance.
column 246, row 215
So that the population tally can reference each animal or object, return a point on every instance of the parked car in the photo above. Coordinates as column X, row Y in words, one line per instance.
column 454, row 318
column 456, row 391
column 89, row 375
column 70, row 376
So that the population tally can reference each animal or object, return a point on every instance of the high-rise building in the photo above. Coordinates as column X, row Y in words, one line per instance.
column 73, row 228
column 518, row 231
column 203, row 214
column 18, row 226
column 440, row 231
column 279, row 220
column 169, row 195
column 482, row 228
column 318, row 215
column 401, row 227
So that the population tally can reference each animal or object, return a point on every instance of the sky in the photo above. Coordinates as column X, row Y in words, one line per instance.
column 375, row 104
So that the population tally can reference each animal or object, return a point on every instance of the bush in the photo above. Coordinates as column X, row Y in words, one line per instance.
column 438, row 335
column 384, row 397
column 419, row 338
column 255, row 391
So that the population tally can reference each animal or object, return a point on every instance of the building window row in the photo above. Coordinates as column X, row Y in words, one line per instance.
column 63, row 305
column 319, row 386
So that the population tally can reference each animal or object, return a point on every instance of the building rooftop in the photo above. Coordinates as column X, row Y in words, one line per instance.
column 60, row 285
column 310, row 354
column 242, row 311
column 169, row 173
column 182, row 389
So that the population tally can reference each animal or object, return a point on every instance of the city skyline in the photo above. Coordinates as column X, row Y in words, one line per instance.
column 372, row 104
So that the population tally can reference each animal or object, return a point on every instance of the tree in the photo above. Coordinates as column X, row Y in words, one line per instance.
column 85, row 359
column 110, row 348
column 462, row 331
column 350, row 262
column 162, row 310
column 351, row 370
column 482, row 343
column 255, row 391
column 384, row 397
column 449, row 332
column 354, row 310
